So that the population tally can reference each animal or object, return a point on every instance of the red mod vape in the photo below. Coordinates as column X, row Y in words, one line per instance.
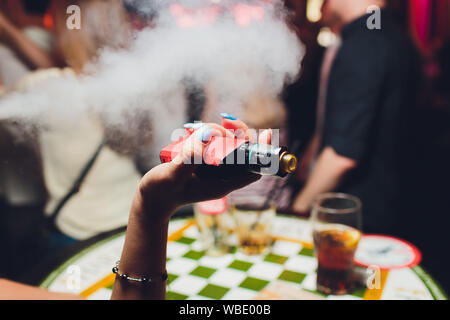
column 226, row 157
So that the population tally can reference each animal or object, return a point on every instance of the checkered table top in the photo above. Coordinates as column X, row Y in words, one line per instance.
column 290, row 265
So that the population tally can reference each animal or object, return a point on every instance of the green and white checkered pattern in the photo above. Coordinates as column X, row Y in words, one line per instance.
column 236, row 276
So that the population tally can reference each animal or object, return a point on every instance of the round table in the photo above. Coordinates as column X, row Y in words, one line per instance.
column 286, row 272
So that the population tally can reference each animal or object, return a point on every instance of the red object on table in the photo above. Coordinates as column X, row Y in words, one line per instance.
column 213, row 207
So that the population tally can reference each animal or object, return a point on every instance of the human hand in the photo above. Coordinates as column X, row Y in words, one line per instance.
column 171, row 185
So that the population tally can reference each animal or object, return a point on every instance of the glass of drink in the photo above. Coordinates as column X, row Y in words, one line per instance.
column 336, row 221
column 213, row 223
column 253, row 215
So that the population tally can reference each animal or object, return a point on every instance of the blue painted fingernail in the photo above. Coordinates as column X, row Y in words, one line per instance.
column 204, row 134
column 197, row 125
column 228, row 116
column 194, row 126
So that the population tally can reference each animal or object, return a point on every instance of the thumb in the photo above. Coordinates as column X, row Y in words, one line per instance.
column 265, row 137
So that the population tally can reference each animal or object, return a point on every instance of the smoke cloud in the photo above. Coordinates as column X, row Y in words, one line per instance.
column 236, row 47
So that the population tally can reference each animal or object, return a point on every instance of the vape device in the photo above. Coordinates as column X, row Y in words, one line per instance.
column 226, row 157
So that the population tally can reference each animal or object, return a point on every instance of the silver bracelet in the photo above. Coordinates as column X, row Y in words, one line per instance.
column 144, row 280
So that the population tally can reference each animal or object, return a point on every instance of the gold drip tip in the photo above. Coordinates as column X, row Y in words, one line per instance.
column 288, row 162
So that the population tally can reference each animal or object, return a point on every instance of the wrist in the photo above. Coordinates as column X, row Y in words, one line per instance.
column 151, row 211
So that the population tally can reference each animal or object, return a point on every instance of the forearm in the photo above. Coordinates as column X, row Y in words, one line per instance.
column 10, row 290
column 161, row 191
column 322, row 180
column 33, row 55
column 328, row 173
column 144, row 254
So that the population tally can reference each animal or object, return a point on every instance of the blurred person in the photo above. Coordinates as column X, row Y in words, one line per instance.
column 10, row 290
column 89, row 175
column 89, row 170
column 104, row 25
column 258, row 108
column 443, row 81
column 23, row 47
column 363, row 129
column 260, row 111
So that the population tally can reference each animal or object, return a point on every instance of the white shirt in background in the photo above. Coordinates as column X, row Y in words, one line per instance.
column 105, row 197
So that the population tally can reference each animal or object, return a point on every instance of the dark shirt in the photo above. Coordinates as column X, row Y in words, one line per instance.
column 300, row 97
column 371, row 88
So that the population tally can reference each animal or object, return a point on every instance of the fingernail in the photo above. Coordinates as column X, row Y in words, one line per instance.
column 194, row 126
column 197, row 125
column 228, row 116
column 204, row 134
